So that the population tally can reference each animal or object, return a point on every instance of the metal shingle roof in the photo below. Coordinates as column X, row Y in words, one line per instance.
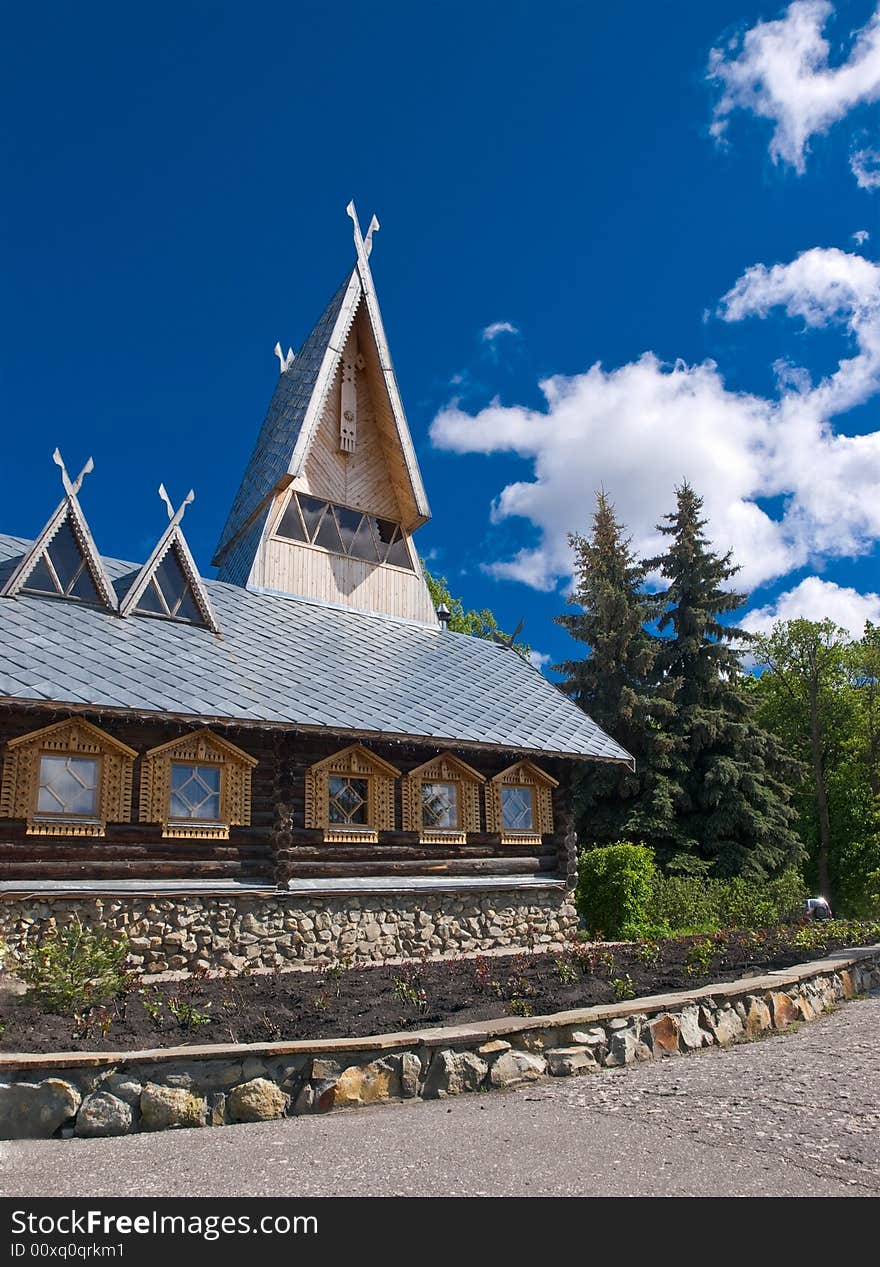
column 291, row 661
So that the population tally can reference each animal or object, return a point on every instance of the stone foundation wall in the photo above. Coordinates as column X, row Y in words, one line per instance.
column 238, row 933
column 115, row 1094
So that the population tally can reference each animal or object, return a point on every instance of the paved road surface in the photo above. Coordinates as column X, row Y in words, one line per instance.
column 797, row 1115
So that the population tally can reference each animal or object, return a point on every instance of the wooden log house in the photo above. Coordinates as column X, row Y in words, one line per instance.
column 303, row 726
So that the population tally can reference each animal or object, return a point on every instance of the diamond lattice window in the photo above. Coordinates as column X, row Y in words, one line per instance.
column 348, row 801
column 195, row 792
column 517, row 809
column 68, row 787
column 440, row 805
column 344, row 531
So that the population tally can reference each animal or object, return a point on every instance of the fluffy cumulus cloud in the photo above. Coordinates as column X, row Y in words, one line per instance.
column 861, row 236
column 815, row 599
column 782, row 71
column 641, row 428
column 496, row 329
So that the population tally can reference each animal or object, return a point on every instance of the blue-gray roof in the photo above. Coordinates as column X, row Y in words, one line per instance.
column 278, row 435
column 286, row 660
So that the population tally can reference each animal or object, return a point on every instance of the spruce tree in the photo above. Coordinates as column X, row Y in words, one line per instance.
column 617, row 684
column 728, row 778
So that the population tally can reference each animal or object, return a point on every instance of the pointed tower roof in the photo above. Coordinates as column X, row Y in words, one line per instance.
column 169, row 585
column 295, row 410
column 64, row 562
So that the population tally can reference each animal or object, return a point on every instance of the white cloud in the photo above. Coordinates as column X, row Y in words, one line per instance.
column 539, row 659
column 640, row 429
column 865, row 166
column 496, row 329
column 815, row 599
column 781, row 71
column 861, row 236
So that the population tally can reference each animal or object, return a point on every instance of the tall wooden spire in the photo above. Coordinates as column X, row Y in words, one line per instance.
column 333, row 493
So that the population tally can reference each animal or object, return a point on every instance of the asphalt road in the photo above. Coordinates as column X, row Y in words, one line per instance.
column 792, row 1115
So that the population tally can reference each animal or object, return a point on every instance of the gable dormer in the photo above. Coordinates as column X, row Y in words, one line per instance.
column 333, row 493
column 63, row 562
column 168, row 585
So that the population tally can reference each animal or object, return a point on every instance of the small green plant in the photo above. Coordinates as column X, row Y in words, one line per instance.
column 623, row 988
column 152, row 1004
column 185, row 1012
column 648, row 953
column 698, row 959
column 520, row 1007
column 409, row 993
column 73, row 969
column 566, row 971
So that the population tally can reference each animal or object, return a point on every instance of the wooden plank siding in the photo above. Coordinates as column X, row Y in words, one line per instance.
column 372, row 479
column 277, row 846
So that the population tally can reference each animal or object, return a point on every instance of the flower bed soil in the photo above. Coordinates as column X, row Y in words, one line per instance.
column 359, row 1001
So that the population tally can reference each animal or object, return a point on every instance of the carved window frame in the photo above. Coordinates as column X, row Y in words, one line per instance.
column 444, row 768
column 541, row 785
column 199, row 747
column 19, row 791
column 359, row 763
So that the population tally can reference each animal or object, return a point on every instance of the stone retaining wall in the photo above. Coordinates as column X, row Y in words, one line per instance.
column 183, row 931
column 86, row 1094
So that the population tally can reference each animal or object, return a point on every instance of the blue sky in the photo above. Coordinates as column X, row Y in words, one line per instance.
column 668, row 232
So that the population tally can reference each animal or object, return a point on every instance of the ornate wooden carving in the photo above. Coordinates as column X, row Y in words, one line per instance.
column 357, row 762
column 200, row 747
column 444, row 768
column 21, row 777
column 522, row 774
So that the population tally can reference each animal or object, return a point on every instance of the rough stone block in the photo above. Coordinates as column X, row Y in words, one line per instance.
column 568, row 1062
column 513, row 1067
column 169, row 1108
column 103, row 1114
column 36, row 1110
column 257, row 1100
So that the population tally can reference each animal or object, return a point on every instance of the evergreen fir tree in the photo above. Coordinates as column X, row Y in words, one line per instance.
column 727, row 777
column 617, row 685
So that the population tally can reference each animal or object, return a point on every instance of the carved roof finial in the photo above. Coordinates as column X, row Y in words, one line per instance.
column 284, row 362
column 72, row 487
column 176, row 516
column 363, row 244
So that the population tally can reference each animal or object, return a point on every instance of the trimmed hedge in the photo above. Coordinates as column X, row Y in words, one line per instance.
column 622, row 894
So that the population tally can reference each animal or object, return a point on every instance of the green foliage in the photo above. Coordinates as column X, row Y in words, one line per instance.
column 820, row 692
column 479, row 624
column 74, row 968
column 727, row 787
column 615, row 883
column 623, row 988
column 698, row 904
column 617, row 683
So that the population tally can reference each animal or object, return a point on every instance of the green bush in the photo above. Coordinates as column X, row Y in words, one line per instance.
column 74, row 968
column 615, row 887
column 700, row 905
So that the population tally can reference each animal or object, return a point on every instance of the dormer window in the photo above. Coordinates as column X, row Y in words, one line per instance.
column 169, row 585
column 342, row 530
column 62, row 570
column 64, row 562
column 168, row 593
